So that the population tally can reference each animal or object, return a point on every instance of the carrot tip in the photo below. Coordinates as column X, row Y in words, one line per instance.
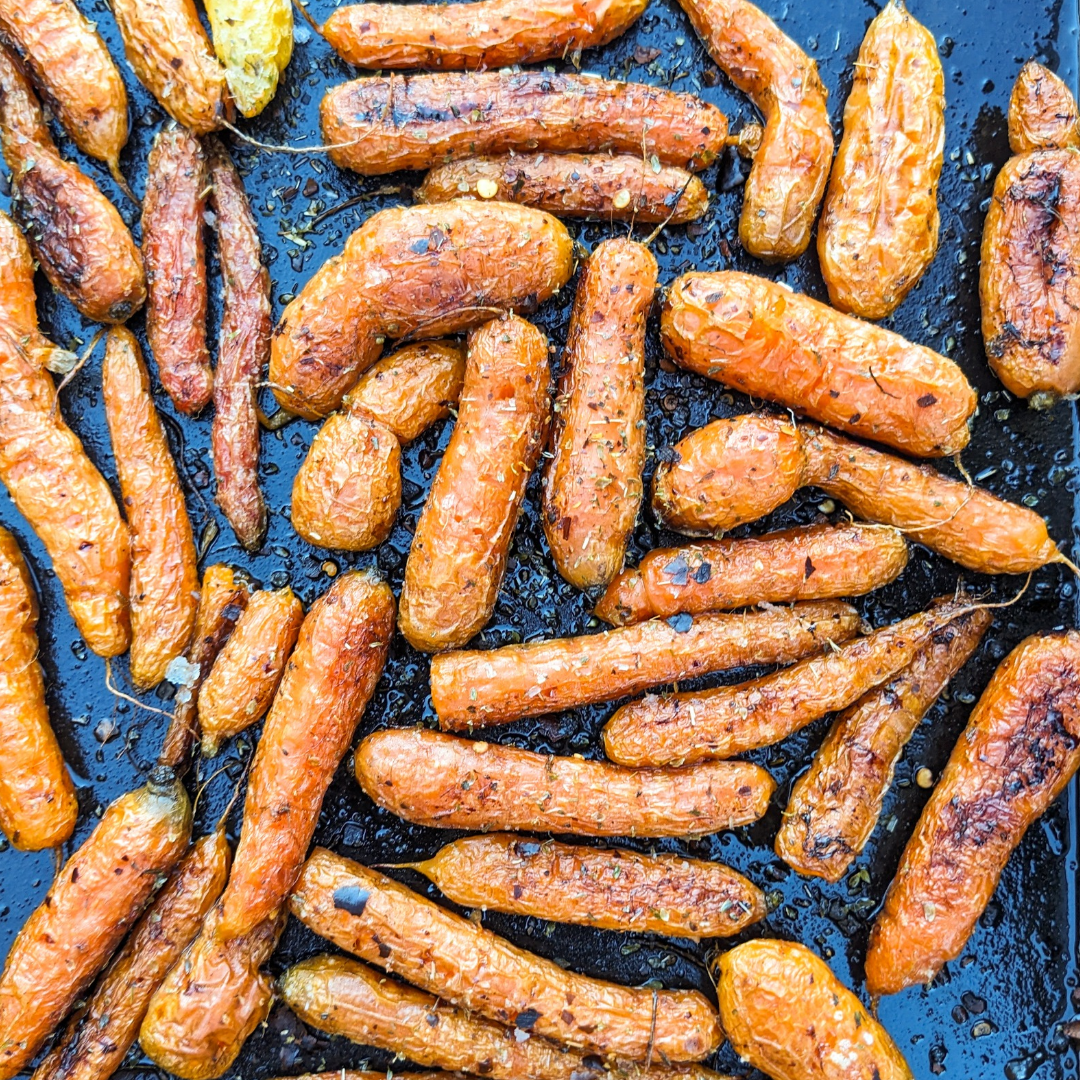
column 121, row 181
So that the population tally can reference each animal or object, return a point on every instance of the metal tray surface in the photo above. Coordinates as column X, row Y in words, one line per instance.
column 997, row 1011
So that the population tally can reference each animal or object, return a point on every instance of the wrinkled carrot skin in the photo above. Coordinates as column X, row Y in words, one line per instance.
column 1018, row 752
column 344, row 997
column 734, row 471
column 347, row 492
column 243, row 352
column 222, row 600
column 815, row 562
column 174, row 249
column 67, row 502
column 791, row 165
column 1042, row 112
column 765, row 340
column 612, row 187
column 329, row 679
column 592, row 483
column 879, row 227
column 673, row 729
column 18, row 300
column 72, row 65
column 787, row 1014
column 38, row 806
column 462, row 540
column 412, row 271
column 75, row 233
column 380, row 124
column 835, row 806
column 164, row 574
column 385, row 923
column 93, row 900
column 165, row 43
column 246, row 673
column 610, row 888
column 213, row 998
column 482, row 34
column 367, row 1074
column 96, row 1043
column 496, row 686
column 448, row 782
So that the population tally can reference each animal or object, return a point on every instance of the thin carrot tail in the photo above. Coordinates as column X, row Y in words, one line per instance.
column 121, row 181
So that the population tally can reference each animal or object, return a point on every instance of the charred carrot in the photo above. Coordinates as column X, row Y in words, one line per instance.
column 610, row 888
column 449, row 782
column 384, row 923
column 94, row 899
column 495, row 686
column 330, row 677
column 817, row 562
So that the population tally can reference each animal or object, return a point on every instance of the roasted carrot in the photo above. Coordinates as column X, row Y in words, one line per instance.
column 835, row 806
column 173, row 245
column 1042, row 112
column 243, row 352
column 462, row 540
column 728, row 720
column 222, row 599
column 611, row 888
column 384, row 923
column 495, row 686
column 817, row 562
column 330, row 677
column 246, row 673
column 1019, row 750
column 734, row 471
column 93, row 900
column 38, row 806
column 368, row 1074
column 65, row 499
column 213, row 998
column 96, row 1042
column 448, row 782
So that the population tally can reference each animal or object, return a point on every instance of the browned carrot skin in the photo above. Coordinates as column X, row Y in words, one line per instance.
column 676, row 728
column 76, row 234
column 817, row 562
column 243, row 352
column 65, row 499
column 791, row 164
column 74, row 69
column 482, row 34
column 385, row 923
column 38, row 806
column 879, row 228
column 610, row 888
column 1042, row 112
column 213, row 998
column 462, row 540
column 167, row 46
column 835, row 806
column 380, row 124
column 1019, row 750
column 330, row 677
column 222, row 600
column 496, row 686
column 164, row 575
column 367, row 1074
column 246, row 673
column 765, row 340
column 173, row 214
column 422, row 271
column 97, row 1041
column 592, row 484
column 94, row 899
column 348, row 490
column 448, row 782
column 614, row 187
column 734, row 471
column 786, row 1013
